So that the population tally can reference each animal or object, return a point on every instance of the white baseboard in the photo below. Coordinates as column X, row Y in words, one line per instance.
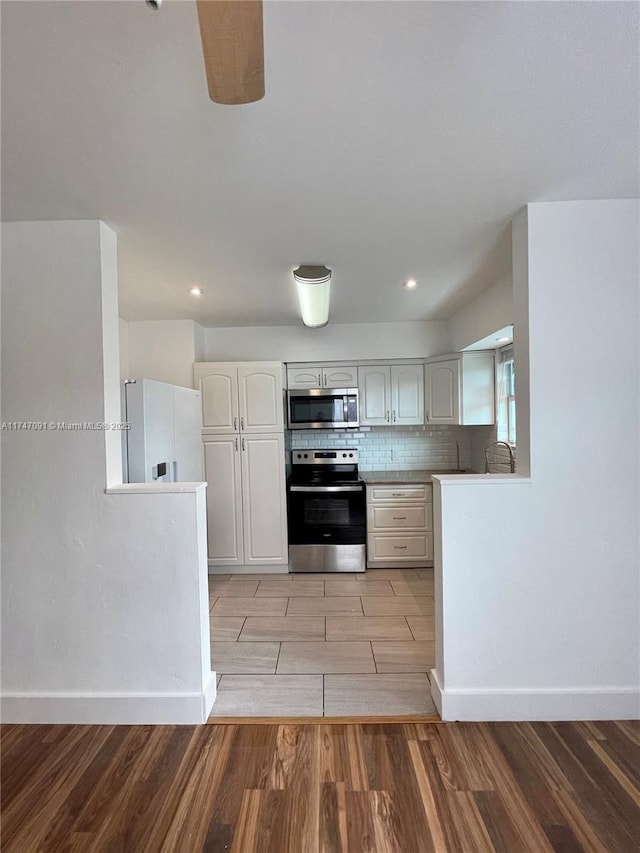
column 249, row 570
column 209, row 696
column 159, row 709
column 606, row 703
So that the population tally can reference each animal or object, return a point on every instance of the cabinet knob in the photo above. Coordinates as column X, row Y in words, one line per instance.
column 241, row 423
column 399, row 517
column 400, row 547
column 319, row 380
column 236, row 443
column 387, row 415
column 394, row 416
column 235, row 424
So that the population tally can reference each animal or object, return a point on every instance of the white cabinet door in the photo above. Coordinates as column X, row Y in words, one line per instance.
column 264, row 499
column 340, row 377
column 219, row 390
column 407, row 394
column 374, row 384
column 477, row 388
column 260, row 398
column 307, row 377
column 222, row 472
column 442, row 383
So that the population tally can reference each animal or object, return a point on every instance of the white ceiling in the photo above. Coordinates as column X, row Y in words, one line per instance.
column 499, row 338
column 396, row 139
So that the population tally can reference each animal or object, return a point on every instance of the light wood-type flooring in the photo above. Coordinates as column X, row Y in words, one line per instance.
column 313, row 645
column 323, row 788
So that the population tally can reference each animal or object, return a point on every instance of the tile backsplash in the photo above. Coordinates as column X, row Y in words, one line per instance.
column 479, row 438
column 395, row 448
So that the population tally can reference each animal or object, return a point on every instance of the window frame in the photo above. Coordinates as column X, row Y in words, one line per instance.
column 505, row 402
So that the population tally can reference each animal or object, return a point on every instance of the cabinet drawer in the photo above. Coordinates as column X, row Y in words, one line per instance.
column 410, row 546
column 414, row 493
column 401, row 516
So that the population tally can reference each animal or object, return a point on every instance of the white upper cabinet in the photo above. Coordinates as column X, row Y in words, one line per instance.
column 242, row 397
column 374, row 387
column 340, row 377
column 442, row 383
column 220, row 399
column 322, row 376
column 407, row 394
column 260, row 398
column 460, row 389
column 391, row 395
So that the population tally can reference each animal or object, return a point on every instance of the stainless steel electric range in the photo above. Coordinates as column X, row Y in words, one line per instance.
column 327, row 512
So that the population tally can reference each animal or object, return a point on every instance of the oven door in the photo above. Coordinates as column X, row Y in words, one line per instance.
column 327, row 515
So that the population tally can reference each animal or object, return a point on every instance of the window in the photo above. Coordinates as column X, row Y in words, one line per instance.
column 506, row 397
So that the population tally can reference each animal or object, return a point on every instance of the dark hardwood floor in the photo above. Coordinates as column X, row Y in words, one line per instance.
column 302, row 788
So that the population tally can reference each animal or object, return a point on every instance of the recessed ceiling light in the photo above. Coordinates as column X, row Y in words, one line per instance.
column 196, row 291
column 410, row 284
column 503, row 340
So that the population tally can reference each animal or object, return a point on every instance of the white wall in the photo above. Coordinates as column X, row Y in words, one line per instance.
column 199, row 342
column 332, row 343
column 124, row 349
column 104, row 595
column 488, row 312
column 537, row 595
column 164, row 350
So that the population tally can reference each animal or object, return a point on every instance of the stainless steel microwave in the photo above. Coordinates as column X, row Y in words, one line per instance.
column 323, row 408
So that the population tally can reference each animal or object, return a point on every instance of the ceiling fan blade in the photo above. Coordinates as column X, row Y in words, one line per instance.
column 233, row 47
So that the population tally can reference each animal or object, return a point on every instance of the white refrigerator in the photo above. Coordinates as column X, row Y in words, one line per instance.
column 163, row 443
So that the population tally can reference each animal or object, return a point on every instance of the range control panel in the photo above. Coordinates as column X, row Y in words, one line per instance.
column 324, row 457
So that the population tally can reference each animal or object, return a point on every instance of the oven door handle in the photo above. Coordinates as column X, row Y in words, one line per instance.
column 326, row 489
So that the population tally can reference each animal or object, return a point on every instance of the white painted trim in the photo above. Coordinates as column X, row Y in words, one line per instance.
column 154, row 488
column 158, row 709
column 436, row 691
column 249, row 570
column 614, row 703
column 209, row 696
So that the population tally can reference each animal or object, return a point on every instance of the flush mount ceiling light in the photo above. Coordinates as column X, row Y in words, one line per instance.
column 410, row 284
column 196, row 291
column 313, row 284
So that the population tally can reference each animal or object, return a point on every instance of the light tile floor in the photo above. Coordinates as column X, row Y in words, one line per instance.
column 323, row 644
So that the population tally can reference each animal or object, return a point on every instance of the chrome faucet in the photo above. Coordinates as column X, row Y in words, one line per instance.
column 512, row 461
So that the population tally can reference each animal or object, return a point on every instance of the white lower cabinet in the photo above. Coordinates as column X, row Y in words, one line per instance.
column 246, row 499
column 399, row 525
